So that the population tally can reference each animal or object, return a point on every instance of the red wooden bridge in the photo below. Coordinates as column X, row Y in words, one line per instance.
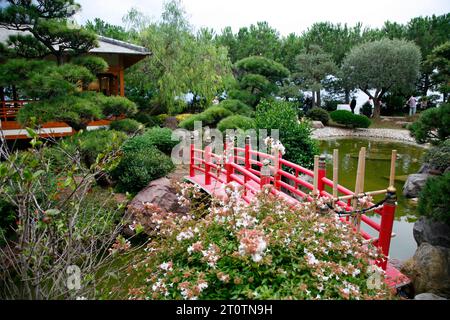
column 253, row 170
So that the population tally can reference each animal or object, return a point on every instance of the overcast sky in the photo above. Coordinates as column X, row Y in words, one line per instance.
column 285, row 15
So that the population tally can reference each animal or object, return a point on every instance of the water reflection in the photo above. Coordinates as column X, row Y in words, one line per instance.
column 377, row 177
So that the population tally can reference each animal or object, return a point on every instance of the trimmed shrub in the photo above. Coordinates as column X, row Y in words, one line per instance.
column 209, row 117
column 433, row 125
column 366, row 109
column 140, row 166
column 439, row 157
column 90, row 144
column 237, row 107
column 331, row 104
column 434, row 201
column 319, row 115
column 118, row 106
column 296, row 137
column 161, row 138
column 236, row 122
column 349, row 119
column 128, row 126
column 244, row 96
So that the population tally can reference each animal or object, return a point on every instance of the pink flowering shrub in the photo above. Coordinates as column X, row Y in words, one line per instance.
column 265, row 250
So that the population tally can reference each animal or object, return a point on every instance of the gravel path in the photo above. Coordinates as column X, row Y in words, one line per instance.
column 388, row 134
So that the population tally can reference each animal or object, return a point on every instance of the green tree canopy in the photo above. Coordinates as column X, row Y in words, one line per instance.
column 49, row 26
column 258, row 77
column 439, row 62
column 103, row 28
column 259, row 39
column 182, row 62
column 56, row 87
column 313, row 65
column 382, row 65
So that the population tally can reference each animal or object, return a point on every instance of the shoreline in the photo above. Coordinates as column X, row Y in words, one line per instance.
column 397, row 135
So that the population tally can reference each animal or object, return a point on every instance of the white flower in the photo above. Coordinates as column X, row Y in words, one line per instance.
column 184, row 235
column 167, row 266
column 311, row 259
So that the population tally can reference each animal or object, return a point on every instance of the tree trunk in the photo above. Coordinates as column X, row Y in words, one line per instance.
column 313, row 98
column 318, row 99
column 426, row 85
column 377, row 108
column 347, row 96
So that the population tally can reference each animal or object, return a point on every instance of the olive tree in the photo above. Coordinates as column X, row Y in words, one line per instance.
column 383, row 65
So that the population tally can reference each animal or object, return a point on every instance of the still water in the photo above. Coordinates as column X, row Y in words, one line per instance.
column 377, row 178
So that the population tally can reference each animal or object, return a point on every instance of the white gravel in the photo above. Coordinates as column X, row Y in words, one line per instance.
column 385, row 134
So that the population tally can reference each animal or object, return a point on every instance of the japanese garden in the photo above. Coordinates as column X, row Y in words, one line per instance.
column 157, row 160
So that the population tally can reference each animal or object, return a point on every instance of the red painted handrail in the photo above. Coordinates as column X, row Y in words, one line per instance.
column 240, row 169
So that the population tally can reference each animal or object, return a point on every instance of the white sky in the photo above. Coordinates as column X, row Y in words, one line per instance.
column 284, row 15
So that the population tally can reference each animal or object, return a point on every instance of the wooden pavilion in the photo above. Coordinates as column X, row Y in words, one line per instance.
column 118, row 54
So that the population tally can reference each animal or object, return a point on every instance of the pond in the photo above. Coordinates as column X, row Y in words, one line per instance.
column 403, row 245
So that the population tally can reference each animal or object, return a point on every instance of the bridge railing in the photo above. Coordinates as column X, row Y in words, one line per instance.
column 252, row 170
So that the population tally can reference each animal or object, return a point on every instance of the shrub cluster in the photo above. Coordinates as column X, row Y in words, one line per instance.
column 366, row 109
column 129, row 126
column 349, row 119
column 296, row 137
column 140, row 166
column 434, row 201
column 439, row 157
column 258, row 251
column 237, row 107
column 318, row 114
column 209, row 117
column 236, row 122
column 89, row 144
column 433, row 125
column 161, row 138
column 144, row 159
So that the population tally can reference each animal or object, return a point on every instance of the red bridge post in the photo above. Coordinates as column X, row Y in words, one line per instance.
column 322, row 174
column 228, row 157
column 386, row 224
column 277, row 165
column 246, row 161
column 192, row 156
column 207, row 160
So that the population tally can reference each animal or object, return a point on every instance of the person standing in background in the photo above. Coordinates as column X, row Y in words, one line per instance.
column 412, row 102
column 353, row 105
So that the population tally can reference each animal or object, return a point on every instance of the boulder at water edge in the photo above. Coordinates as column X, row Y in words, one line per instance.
column 161, row 193
column 434, row 232
column 429, row 270
column 414, row 184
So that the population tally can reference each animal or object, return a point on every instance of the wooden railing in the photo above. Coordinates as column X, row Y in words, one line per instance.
column 9, row 109
column 237, row 165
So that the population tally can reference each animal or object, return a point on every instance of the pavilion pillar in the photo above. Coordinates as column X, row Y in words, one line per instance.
column 122, row 83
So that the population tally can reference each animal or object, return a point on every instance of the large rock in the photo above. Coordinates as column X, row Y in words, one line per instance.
column 434, row 232
column 429, row 270
column 161, row 193
column 428, row 296
column 414, row 184
column 317, row 124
